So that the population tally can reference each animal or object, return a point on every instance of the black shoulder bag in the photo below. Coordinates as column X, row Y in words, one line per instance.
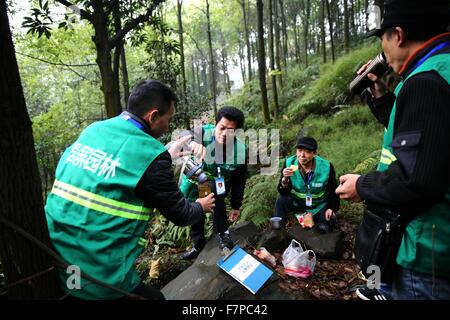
column 378, row 240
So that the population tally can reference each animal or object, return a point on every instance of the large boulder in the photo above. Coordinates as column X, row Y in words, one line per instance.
column 275, row 240
column 204, row 280
column 325, row 245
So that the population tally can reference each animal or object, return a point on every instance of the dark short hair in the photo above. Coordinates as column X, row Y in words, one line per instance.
column 232, row 114
column 151, row 94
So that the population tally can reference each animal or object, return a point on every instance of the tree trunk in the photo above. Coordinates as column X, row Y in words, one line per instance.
column 205, row 80
column 277, row 42
column 104, row 59
column 116, row 61
column 346, row 27
column 21, row 201
column 366, row 14
column 226, row 78
column 262, row 62
column 125, row 81
column 322, row 30
column 247, row 42
column 193, row 80
column 241, row 60
column 306, row 29
column 330, row 24
column 297, row 44
column 284, row 33
column 352, row 20
column 180, row 32
column 272, row 62
column 212, row 69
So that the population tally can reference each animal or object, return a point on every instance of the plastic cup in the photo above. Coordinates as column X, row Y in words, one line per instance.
column 275, row 222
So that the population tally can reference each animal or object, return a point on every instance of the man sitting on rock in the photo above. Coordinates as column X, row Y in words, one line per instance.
column 307, row 185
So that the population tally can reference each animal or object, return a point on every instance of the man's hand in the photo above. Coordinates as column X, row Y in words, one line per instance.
column 207, row 202
column 377, row 89
column 347, row 188
column 177, row 146
column 198, row 150
column 328, row 214
column 288, row 172
column 234, row 215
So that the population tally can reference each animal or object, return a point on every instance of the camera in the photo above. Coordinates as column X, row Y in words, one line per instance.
column 378, row 66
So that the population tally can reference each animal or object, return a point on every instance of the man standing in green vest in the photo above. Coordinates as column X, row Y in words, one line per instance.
column 225, row 162
column 307, row 185
column 413, row 176
column 106, row 186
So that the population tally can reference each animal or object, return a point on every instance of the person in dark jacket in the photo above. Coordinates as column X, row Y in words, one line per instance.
column 226, row 160
column 413, row 175
column 307, row 185
column 105, row 187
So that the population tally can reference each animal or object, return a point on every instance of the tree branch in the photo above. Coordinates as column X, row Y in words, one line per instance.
column 55, row 63
column 133, row 23
column 196, row 44
column 62, row 64
column 84, row 14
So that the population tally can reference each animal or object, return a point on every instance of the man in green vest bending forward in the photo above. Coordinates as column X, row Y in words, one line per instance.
column 413, row 175
column 225, row 162
column 307, row 184
column 105, row 187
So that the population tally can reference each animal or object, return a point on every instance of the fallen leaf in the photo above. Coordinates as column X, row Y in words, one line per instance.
column 342, row 284
column 326, row 293
column 348, row 270
column 316, row 293
column 154, row 269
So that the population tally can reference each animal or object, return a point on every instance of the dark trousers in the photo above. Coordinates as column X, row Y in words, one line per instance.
column 147, row 292
column 219, row 218
column 285, row 204
column 143, row 290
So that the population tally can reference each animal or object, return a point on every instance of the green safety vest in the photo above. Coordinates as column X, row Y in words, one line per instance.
column 95, row 220
column 189, row 187
column 316, row 188
column 415, row 252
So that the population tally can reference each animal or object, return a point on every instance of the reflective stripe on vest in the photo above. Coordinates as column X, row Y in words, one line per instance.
column 303, row 195
column 387, row 157
column 100, row 203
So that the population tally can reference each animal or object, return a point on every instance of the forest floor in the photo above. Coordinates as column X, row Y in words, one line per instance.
column 331, row 280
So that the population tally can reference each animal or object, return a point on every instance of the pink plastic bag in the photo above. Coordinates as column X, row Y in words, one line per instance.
column 297, row 262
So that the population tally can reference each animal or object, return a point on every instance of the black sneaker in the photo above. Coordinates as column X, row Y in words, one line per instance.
column 194, row 252
column 370, row 294
column 191, row 254
column 225, row 241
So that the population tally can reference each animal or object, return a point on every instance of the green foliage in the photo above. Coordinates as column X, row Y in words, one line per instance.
column 297, row 82
column 331, row 87
column 163, row 50
column 352, row 211
column 259, row 199
column 40, row 21
column 167, row 234
column 368, row 164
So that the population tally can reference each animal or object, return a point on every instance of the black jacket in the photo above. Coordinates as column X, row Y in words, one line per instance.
column 159, row 190
column 333, row 198
column 421, row 143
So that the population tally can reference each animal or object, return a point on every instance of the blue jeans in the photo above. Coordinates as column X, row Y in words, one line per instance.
column 411, row 285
